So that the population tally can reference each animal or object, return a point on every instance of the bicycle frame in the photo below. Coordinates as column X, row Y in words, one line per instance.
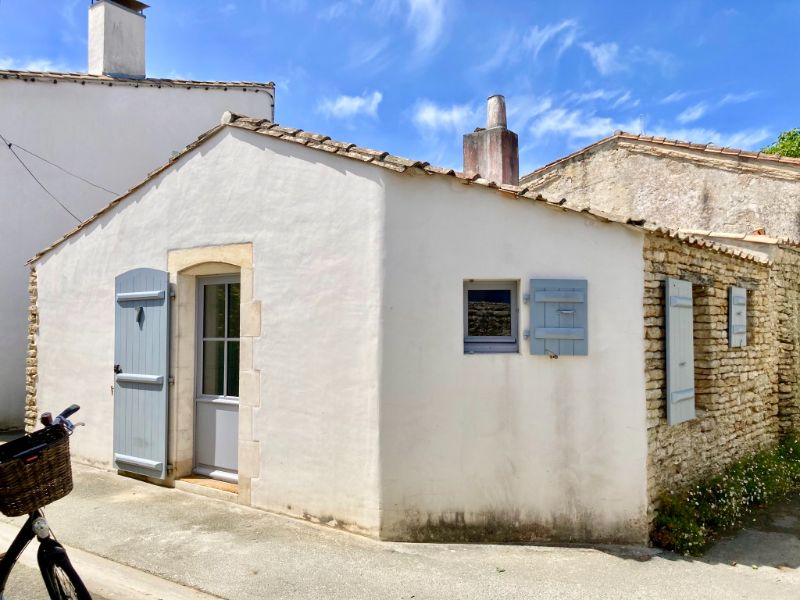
column 24, row 537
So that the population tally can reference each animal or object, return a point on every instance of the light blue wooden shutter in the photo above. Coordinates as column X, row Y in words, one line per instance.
column 737, row 317
column 141, row 357
column 680, row 351
column 559, row 325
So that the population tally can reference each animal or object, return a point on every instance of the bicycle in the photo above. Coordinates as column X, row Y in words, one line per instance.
column 35, row 470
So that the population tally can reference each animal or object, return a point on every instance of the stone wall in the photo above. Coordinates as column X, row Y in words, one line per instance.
column 736, row 388
column 785, row 289
column 31, row 363
column 678, row 188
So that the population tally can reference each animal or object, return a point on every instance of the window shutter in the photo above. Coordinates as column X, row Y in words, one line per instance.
column 559, row 324
column 141, row 378
column 680, row 351
column 737, row 317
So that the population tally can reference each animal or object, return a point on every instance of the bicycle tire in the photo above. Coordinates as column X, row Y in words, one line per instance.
column 62, row 581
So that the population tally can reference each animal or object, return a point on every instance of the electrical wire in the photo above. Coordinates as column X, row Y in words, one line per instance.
column 60, row 168
column 41, row 185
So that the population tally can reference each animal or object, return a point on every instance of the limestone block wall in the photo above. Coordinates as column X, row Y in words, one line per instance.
column 736, row 388
column 785, row 289
column 678, row 188
column 31, row 363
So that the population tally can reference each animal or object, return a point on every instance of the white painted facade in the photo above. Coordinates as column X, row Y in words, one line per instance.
column 110, row 132
column 366, row 408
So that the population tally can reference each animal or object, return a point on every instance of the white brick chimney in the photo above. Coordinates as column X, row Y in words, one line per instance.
column 116, row 38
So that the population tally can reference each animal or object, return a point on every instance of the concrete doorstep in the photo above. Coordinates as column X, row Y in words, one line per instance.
column 105, row 579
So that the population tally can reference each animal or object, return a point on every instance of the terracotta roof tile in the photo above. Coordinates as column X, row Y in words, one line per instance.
column 400, row 165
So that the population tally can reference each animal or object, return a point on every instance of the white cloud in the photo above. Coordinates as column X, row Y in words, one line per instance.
column 504, row 52
column 426, row 18
column 350, row 106
column 578, row 124
column 625, row 101
column 650, row 56
column 605, row 57
column 592, row 96
column 692, row 113
column 37, row 64
column 337, row 9
column 738, row 98
column 522, row 109
column 430, row 117
column 676, row 96
column 565, row 32
column 369, row 53
column 746, row 139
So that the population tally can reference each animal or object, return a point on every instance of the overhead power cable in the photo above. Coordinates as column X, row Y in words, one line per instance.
column 60, row 168
column 41, row 185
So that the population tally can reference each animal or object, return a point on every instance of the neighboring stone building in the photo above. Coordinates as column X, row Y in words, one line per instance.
column 109, row 127
column 678, row 184
column 403, row 350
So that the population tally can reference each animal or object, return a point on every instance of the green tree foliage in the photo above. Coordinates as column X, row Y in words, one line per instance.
column 788, row 144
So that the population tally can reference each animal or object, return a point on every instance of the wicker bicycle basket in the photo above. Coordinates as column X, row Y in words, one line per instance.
column 35, row 470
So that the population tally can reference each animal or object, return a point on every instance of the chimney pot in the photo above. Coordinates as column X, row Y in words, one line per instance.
column 493, row 153
column 496, row 112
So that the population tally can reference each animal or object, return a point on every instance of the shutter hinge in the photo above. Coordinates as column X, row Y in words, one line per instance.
column 526, row 298
column 526, row 333
column 171, row 380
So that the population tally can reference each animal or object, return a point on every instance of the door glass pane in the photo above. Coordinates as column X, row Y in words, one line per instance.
column 489, row 312
column 213, row 365
column 233, row 369
column 233, row 310
column 214, row 310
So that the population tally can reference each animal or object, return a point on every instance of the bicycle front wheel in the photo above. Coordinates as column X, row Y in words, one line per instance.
column 62, row 582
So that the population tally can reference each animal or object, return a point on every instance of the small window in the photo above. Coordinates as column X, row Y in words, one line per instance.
column 490, row 316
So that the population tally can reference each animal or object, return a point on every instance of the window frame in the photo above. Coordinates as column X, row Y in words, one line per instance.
column 200, row 338
column 495, row 344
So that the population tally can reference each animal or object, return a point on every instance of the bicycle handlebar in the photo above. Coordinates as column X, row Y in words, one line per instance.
column 62, row 418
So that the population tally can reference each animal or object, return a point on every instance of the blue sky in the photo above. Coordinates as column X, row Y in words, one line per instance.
column 411, row 76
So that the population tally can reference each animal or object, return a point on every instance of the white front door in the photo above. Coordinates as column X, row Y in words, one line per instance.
column 217, row 398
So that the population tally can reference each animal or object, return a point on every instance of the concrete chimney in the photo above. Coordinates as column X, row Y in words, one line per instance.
column 493, row 152
column 116, row 38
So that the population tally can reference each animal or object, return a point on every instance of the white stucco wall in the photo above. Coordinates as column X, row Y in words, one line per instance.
column 508, row 445
column 370, row 411
column 112, row 136
column 315, row 223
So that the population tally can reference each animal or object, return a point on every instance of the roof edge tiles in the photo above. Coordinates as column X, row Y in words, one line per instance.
column 398, row 164
column 753, row 238
column 661, row 141
column 83, row 78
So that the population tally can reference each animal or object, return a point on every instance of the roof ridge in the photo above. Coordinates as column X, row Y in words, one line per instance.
column 151, row 81
column 397, row 164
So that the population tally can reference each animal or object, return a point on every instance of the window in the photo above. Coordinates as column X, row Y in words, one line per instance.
column 219, row 337
column 490, row 316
